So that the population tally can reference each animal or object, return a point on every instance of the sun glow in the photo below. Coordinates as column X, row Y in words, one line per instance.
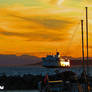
column 59, row 2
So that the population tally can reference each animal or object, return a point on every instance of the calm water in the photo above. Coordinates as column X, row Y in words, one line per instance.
column 37, row 70
column 25, row 70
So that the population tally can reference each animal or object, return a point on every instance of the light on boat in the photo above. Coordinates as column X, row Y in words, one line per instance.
column 65, row 63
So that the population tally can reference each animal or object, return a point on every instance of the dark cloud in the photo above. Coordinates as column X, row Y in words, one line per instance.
column 47, row 22
column 34, row 36
column 52, row 30
column 90, row 47
column 54, row 23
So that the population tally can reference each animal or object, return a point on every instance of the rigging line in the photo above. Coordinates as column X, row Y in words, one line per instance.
column 72, row 38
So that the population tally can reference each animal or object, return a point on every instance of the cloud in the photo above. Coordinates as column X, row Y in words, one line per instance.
column 41, row 36
column 90, row 47
column 36, row 28
column 56, row 2
column 27, row 28
column 59, row 2
column 47, row 22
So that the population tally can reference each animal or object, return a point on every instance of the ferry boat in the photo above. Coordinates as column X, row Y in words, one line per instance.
column 55, row 61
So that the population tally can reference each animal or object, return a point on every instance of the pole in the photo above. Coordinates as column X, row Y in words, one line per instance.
column 82, row 47
column 87, row 46
column 87, row 38
column 83, row 62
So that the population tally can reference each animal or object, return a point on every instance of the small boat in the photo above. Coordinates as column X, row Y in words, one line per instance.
column 58, row 86
column 50, row 86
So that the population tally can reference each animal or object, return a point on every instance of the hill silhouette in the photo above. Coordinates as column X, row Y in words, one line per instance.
column 13, row 60
column 26, row 60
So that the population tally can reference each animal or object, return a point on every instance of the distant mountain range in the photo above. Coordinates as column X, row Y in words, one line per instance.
column 13, row 60
column 26, row 60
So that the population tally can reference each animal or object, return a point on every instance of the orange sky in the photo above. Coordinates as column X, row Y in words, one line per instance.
column 42, row 26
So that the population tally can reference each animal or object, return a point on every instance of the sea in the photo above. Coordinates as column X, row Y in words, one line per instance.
column 37, row 70
column 11, row 71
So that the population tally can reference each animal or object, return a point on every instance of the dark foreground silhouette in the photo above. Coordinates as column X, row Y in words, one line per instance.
column 30, row 82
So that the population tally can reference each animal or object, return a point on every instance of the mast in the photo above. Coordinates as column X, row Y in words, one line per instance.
column 83, row 63
column 87, row 38
column 87, row 45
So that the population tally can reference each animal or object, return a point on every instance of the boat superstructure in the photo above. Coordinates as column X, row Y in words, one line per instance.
column 54, row 61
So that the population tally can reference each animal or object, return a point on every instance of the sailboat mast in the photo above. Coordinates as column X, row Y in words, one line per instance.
column 83, row 62
column 82, row 47
column 87, row 37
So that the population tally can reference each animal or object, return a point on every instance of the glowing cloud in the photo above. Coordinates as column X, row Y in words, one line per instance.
column 42, row 26
column 60, row 2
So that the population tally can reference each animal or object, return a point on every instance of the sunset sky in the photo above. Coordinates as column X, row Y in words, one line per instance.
column 42, row 26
